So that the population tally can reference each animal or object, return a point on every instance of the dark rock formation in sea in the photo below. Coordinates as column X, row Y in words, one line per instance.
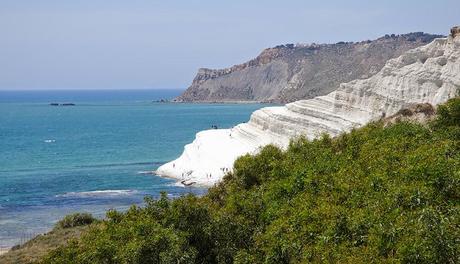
column 287, row 73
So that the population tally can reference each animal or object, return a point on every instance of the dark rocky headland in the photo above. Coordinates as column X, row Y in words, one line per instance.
column 287, row 73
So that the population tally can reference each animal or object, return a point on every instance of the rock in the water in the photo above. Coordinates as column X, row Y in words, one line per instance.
column 428, row 74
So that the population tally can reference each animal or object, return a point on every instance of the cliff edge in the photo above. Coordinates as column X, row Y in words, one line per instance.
column 428, row 74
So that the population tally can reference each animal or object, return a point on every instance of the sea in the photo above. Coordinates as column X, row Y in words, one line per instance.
column 95, row 155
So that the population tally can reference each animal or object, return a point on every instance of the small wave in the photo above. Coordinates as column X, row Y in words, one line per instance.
column 146, row 172
column 8, row 221
column 98, row 193
column 49, row 140
column 174, row 195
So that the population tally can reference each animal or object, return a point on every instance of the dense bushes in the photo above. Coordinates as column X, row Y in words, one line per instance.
column 374, row 195
column 76, row 219
column 449, row 113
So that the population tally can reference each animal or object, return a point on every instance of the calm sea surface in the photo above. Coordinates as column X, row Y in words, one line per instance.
column 55, row 160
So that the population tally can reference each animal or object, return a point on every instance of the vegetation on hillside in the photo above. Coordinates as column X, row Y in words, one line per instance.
column 34, row 249
column 76, row 219
column 70, row 227
column 375, row 195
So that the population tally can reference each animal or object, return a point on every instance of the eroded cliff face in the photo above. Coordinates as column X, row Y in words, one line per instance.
column 288, row 73
column 428, row 74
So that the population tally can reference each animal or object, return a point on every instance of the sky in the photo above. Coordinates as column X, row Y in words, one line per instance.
column 140, row 44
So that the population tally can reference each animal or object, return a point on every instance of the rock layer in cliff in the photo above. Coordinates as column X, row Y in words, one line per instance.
column 428, row 74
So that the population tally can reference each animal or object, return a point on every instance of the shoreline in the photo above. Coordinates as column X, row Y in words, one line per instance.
column 4, row 250
column 187, row 168
column 179, row 181
column 213, row 152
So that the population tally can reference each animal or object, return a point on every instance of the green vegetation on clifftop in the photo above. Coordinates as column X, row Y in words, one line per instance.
column 379, row 194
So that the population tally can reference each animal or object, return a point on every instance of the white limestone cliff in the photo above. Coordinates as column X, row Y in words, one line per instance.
column 428, row 74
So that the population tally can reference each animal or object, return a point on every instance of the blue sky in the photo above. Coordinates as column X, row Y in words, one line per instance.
column 95, row 44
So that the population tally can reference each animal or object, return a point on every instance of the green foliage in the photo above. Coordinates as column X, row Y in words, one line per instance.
column 131, row 237
column 248, row 168
column 374, row 195
column 449, row 113
column 76, row 219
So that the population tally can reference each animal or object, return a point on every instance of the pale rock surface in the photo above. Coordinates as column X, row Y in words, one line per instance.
column 427, row 74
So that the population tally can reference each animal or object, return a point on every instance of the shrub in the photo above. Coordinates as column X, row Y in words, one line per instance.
column 76, row 219
column 449, row 113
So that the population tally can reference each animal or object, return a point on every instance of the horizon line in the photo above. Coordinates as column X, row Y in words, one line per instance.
column 89, row 89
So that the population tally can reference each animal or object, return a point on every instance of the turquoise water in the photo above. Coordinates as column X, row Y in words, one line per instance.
column 90, row 157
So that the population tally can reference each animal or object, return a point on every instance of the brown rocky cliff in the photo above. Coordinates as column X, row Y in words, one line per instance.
column 290, row 72
column 265, row 57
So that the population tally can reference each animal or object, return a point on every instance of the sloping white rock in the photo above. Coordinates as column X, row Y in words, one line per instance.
column 428, row 74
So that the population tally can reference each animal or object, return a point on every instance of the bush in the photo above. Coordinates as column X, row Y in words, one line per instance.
column 76, row 219
column 449, row 113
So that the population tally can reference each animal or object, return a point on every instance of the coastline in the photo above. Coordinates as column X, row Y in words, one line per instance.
column 4, row 250
column 188, row 169
column 126, row 171
column 212, row 154
column 180, row 183
column 222, row 102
